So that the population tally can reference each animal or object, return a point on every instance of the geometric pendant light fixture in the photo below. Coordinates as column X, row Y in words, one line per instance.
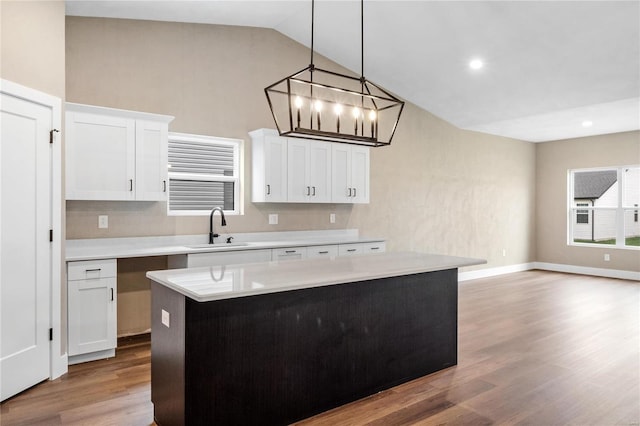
column 314, row 103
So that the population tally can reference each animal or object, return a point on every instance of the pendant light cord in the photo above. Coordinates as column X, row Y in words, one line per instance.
column 312, row 19
column 361, row 38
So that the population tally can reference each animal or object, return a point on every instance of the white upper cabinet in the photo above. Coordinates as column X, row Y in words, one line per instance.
column 309, row 168
column 115, row 154
column 269, row 166
column 350, row 173
column 307, row 171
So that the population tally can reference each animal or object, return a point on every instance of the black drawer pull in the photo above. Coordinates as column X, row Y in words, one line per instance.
column 351, row 250
column 93, row 270
column 290, row 251
column 375, row 248
column 323, row 252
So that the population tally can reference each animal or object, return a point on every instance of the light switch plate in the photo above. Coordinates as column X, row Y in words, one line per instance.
column 103, row 221
column 332, row 218
column 165, row 318
column 273, row 219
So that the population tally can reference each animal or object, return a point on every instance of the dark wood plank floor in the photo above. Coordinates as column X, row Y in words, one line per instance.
column 535, row 348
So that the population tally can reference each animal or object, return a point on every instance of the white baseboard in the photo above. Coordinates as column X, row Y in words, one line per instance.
column 492, row 272
column 555, row 267
column 585, row 270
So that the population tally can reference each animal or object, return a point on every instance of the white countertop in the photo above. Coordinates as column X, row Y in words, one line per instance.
column 226, row 282
column 110, row 248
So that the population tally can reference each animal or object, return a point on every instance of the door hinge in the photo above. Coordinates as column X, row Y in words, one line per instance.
column 50, row 235
column 51, row 334
column 51, row 134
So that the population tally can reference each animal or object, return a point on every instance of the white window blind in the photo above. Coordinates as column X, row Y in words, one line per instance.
column 203, row 174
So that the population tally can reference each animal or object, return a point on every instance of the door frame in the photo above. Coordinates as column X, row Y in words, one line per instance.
column 58, row 354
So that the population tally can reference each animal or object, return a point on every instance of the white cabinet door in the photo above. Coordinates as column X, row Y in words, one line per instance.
column 115, row 154
column 92, row 315
column 269, row 166
column 341, row 191
column 350, row 178
column 298, row 187
column 360, row 174
column 100, row 157
column 151, row 161
column 319, row 166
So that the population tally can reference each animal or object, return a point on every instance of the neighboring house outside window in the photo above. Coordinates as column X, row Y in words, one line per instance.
column 602, row 203
column 204, row 172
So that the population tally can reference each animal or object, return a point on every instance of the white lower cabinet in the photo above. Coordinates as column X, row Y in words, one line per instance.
column 289, row 253
column 322, row 251
column 219, row 258
column 92, row 309
column 361, row 248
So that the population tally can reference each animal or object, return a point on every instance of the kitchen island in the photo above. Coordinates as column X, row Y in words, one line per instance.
column 276, row 342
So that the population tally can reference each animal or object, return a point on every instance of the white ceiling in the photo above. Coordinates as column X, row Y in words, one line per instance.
column 549, row 65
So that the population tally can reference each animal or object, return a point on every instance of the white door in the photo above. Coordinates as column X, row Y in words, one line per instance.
column 151, row 161
column 25, row 250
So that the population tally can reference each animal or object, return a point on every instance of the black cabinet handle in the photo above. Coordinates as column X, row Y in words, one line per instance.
column 351, row 250
column 289, row 251
column 323, row 252
column 112, row 294
column 354, row 192
column 349, row 192
column 93, row 270
column 164, row 186
column 268, row 189
column 375, row 248
column 130, row 184
column 314, row 191
column 308, row 190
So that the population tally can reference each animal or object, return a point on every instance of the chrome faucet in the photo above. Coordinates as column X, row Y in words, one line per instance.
column 212, row 234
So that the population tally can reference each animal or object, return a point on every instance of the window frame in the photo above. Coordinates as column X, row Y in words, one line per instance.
column 620, row 209
column 238, row 151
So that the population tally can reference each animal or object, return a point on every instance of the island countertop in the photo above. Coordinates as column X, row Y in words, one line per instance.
column 225, row 282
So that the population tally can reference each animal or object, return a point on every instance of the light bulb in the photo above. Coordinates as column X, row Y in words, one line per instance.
column 338, row 109
column 372, row 115
column 318, row 106
column 298, row 102
column 476, row 64
column 356, row 113
column 587, row 123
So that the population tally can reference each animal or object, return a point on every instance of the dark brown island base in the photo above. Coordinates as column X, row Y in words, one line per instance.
column 273, row 343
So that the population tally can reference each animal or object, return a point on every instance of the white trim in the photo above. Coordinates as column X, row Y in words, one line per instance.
column 555, row 267
column 58, row 363
column 492, row 272
column 100, row 110
column 585, row 270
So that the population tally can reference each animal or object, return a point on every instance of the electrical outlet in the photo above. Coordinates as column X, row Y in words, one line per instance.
column 504, row 252
column 332, row 218
column 273, row 219
column 166, row 318
column 607, row 258
column 103, row 221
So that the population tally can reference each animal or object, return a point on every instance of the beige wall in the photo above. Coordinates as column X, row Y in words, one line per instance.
column 32, row 44
column 437, row 188
column 554, row 159
column 32, row 50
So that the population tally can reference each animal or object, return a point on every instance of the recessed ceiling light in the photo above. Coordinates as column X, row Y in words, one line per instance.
column 476, row 64
column 587, row 123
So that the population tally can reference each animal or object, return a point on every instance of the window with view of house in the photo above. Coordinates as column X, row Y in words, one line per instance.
column 603, row 206
column 203, row 174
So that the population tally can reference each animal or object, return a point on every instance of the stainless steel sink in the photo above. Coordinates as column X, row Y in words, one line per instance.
column 217, row 246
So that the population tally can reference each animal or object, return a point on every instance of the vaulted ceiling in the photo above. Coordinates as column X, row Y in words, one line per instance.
column 549, row 67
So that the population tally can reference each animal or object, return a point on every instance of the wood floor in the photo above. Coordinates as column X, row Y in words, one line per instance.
column 535, row 348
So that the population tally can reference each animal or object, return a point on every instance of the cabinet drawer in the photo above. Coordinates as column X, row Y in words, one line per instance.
column 377, row 247
column 322, row 251
column 91, row 269
column 349, row 249
column 289, row 253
